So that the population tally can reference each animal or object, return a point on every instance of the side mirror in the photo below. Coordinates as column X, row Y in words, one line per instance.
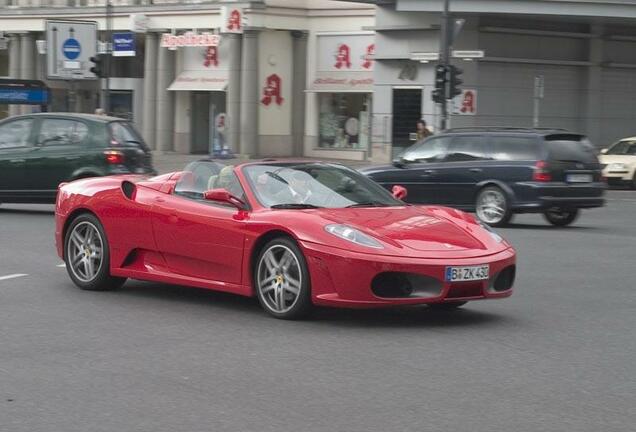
column 399, row 192
column 603, row 151
column 398, row 162
column 223, row 196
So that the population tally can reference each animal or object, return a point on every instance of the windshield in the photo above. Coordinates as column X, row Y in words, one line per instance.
column 623, row 148
column 313, row 185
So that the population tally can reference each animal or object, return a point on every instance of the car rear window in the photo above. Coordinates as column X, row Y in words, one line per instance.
column 570, row 147
column 123, row 133
column 514, row 148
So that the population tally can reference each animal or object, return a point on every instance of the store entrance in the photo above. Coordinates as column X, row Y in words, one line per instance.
column 206, row 107
column 407, row 110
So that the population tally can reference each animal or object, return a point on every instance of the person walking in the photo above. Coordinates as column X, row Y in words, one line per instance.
column 421, row 130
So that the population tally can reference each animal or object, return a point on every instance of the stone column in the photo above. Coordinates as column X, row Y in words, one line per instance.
column 591, row 115
column 14, row 66
column 249, row 95
column 234, row 91
column 27, row 62
column 165, row 100
column 150, row 90
column 298, row 99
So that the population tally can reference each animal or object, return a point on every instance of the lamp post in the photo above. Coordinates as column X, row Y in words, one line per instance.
column 107, row 57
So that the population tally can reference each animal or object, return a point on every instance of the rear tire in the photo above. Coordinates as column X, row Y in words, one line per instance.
column 87, row 255
column 493, row 207
column 281, row 280
column 560, row 217
column 447, row 306
column 633, row 184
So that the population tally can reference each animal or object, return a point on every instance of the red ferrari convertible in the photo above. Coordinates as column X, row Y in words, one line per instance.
column 293, row 234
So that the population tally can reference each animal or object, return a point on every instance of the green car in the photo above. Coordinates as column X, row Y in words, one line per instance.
column 40, row 151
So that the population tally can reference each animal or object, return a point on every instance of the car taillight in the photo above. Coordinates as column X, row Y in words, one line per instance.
column 114, row 157
column 541, row 172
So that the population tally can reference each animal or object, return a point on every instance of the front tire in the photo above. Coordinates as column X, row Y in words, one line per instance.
column 281, row 279
column 560, row 217
column 493, row 207
column 87, row 255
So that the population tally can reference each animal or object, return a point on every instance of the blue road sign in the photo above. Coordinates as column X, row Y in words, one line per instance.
column 71, row 48
column 123, row 44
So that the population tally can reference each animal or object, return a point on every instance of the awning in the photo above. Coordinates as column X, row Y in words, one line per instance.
column 342, row 82
column 200, row 80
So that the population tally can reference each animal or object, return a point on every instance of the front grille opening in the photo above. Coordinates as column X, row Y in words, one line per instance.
column 405, row 285
column 504, row 280
column 466, row 289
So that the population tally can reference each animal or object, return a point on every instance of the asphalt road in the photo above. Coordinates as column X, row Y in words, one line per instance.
column 560, row 355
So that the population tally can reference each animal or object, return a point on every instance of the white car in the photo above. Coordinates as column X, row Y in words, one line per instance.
column 619, row 162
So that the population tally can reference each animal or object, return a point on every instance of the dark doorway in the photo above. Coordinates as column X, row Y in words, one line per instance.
column 407, row 110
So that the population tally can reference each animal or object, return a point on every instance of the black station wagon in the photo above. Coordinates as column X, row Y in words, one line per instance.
column 497, row 172
column 40, row 151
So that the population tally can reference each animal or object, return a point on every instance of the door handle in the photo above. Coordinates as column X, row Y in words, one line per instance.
column 428, row 172
column 159, row 199
column 476, row 170
column 17, row 160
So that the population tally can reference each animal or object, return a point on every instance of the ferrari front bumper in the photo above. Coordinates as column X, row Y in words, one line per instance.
column 344, row 278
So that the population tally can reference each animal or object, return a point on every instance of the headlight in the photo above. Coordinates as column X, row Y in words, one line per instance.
column 617, row 166
column 353, row 235
column 492, row 233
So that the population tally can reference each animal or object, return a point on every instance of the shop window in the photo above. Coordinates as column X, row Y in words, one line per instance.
column 344, row 120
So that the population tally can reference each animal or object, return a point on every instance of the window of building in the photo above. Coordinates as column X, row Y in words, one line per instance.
column 344, row 120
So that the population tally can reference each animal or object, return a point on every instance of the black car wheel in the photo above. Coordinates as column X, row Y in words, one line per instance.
column 492, row 206
column 634, row 181
column 281, row 279
column 87, row 255
column 560, row 217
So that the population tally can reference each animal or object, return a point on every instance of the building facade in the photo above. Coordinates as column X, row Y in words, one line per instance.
column 558, row 63
column 265, row 87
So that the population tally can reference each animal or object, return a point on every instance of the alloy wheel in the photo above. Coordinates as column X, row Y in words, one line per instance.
column 85, row 251
column 279, row 278
column 492, row 206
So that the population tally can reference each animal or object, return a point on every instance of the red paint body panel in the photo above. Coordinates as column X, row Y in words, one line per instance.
column 158, row 236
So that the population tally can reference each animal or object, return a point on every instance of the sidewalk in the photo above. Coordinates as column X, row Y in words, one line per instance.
column 165, row 162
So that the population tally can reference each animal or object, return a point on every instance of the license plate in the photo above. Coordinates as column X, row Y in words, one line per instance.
column 464, row 274
column 579, row 178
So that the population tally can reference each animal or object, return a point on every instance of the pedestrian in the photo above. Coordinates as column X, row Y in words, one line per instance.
column 422, row 130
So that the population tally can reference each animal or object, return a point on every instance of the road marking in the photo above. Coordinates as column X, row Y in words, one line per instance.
column 12, row 276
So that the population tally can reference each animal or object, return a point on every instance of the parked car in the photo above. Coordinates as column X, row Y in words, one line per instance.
column 292, row 234
column 498, row 172
column 40, row 151
column 619, row 163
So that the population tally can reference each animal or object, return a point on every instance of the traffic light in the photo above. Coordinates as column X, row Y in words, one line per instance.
column 98, row 66
column 455, row 81
column 439, row 93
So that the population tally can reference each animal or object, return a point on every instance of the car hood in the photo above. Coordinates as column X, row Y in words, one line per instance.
column 413, row 231
column 626, row 159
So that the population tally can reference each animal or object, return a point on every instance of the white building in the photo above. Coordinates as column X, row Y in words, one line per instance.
column 291, row 77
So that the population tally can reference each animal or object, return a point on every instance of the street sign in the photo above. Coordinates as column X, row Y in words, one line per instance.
column 425, row 56
column 475, row 54
column 138, row 23
column 70, row 44
column 124, row 44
